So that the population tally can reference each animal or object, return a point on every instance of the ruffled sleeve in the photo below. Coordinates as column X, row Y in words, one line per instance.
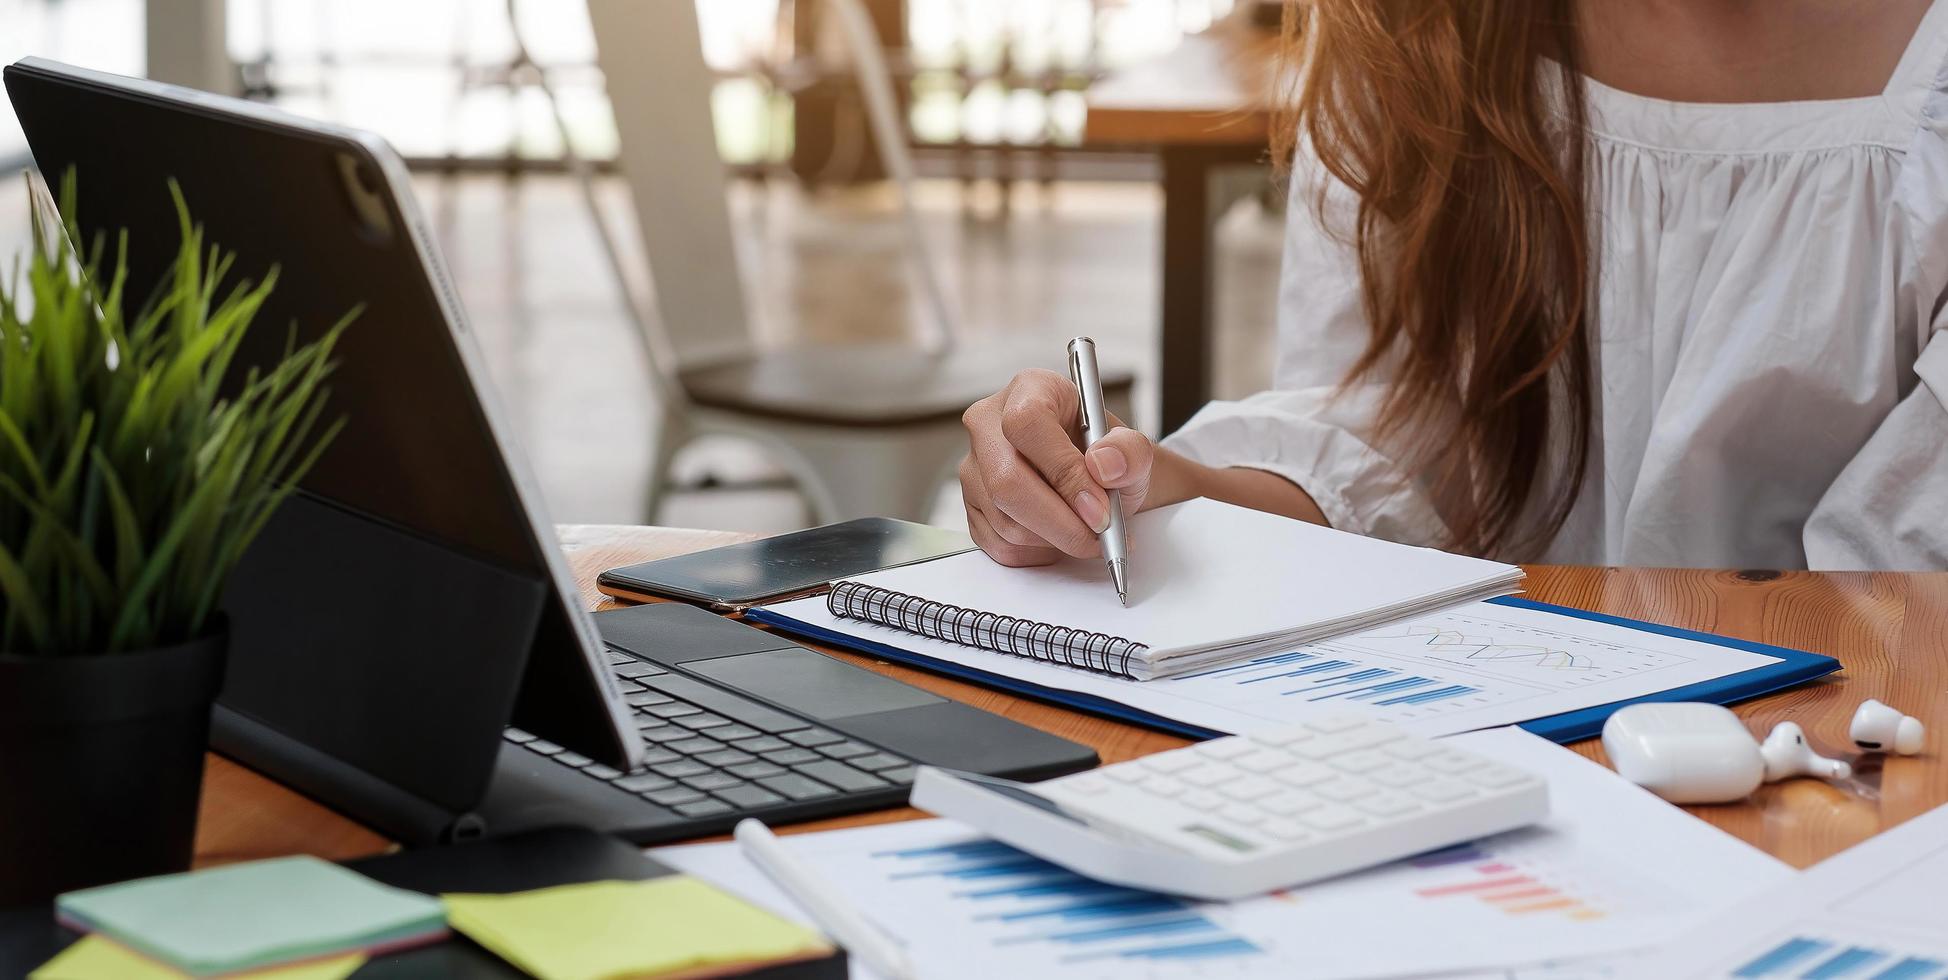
column 1308, row 429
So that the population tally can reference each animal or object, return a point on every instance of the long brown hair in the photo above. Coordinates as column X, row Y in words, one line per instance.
column 1466, row 155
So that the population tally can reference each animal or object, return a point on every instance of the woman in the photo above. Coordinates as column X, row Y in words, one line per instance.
column 1643, row 282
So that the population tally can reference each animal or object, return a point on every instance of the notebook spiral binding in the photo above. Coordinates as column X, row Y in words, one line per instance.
column 988, row 631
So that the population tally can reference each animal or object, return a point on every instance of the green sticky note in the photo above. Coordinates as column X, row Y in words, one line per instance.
column 250, row 916
column 605, row 930
column 95, row 958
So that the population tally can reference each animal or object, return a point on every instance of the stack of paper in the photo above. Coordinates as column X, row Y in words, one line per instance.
column 256, row 915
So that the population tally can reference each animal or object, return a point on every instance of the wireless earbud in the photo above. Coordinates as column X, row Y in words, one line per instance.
column 1786, row 754
column 1879, row 728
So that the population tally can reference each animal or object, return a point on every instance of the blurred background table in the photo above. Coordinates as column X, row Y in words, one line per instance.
column 1889, row 629
column 1206, row 110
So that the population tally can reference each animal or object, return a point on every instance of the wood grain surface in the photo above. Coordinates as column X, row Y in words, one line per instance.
column 1889, row 629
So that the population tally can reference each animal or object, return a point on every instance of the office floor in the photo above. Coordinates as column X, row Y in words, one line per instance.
column 822, row 267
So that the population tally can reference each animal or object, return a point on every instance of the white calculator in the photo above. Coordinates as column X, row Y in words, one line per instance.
column 1245, row 815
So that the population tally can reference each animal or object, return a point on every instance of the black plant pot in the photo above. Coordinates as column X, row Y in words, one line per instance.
column 101, row 764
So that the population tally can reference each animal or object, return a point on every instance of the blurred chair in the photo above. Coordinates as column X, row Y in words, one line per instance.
column 865, row 429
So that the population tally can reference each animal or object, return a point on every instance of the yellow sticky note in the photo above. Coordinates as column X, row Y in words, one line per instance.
column 607, row 930
column 95, row 958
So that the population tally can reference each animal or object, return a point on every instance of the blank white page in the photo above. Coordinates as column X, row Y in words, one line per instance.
column 1204, row 574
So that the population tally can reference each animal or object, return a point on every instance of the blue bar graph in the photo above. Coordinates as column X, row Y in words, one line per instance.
column 1848, row 962
column 1325, row 678
column 1782, row 958
column 1022, row 901
column 1912, row 968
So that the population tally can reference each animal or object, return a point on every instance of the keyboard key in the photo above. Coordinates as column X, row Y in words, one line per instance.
column 656, row 755
column 695, row 745
column 673, row 796
column 1238, row 813
column 739, row 709
column 713, row 781
column 811, row 737
column 796, row 787
column 1212, row 775
column 748, row 797
column 1262, row 762
column 600, row 771
column 703, row 808
column 791, row 757
column 703, row 721
column 680, row 769
column 575, row 759
column 1288, row 803
column 1398, row 775
column 667, row 734
column 628, row 686
column 1283, row 736
column 1330, row 818
column 544, row 746
column 674, row 709
column 1495, row 777
column 1385, row 804
column 1162, row 786
column 874, row 762
column 1441, row 791
column 1125, row 774
column 644, row 698
column 1412, row 749
column 726, row 757
column 1249, row 788
column 844, row 750
column 1303, row 774
column 765, row 744
column 1223, row 748
column 1202, row 799
column 734, row 732
column 1342, row 790
column 1453, row 762
column 636, row 668
column 903, row 776
column 647, row 722
column 1363, row 761
column 1170, row 763
column 841, row 775
column 755, row 770
column 1289, row 831
column 518, row 736
column 618, row 659
column 641, row 782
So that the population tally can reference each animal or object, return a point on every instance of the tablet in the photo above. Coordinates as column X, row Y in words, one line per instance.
column 736, row 577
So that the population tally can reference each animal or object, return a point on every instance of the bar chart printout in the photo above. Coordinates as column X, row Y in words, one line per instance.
column 1025, row 905
column 1814, row 958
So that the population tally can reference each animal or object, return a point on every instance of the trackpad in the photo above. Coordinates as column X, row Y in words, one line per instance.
column 811, row 683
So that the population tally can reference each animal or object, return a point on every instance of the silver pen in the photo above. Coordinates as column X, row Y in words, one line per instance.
column 1095, row 425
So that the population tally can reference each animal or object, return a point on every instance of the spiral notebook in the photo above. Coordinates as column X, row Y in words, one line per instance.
column 1210, row 583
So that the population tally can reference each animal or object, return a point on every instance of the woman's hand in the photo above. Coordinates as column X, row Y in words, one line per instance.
column 1032, row 494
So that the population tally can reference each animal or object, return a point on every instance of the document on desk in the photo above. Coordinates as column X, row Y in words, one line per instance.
column 1612, row 870
column 1463, row 668
column 1875, row 910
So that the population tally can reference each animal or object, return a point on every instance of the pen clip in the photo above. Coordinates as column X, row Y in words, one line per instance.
column 1075, row 377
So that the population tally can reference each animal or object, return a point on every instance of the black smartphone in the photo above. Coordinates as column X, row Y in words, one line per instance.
column 735, row 577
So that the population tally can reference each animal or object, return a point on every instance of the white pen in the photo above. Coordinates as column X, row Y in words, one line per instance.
column 1095, row 425
column 833, row 913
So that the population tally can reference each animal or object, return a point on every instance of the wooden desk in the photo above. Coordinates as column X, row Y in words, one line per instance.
column 1891, row 630
column 1204, row 107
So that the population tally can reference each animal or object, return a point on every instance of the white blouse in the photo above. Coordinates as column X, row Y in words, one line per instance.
column 1771, row 366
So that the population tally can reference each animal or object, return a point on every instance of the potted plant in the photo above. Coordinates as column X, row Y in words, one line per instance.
column 135, row 467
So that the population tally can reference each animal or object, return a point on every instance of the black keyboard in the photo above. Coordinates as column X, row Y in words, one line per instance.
column 715, row 756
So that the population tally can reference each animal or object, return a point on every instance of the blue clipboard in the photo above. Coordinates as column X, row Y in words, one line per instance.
column 1793, row 667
